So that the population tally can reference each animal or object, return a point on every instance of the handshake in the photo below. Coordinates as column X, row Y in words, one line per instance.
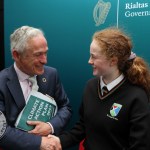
column 50, row 142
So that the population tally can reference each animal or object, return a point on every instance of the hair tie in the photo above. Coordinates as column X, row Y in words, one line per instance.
column 132, row 56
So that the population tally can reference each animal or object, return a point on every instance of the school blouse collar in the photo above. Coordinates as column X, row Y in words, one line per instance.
column 112, row 84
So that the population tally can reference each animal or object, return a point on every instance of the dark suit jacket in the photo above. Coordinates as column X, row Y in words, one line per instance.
column 12, row 102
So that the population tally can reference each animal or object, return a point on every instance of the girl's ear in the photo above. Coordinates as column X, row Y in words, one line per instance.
column 114, row 61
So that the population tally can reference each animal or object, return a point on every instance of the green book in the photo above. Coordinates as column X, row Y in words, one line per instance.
column 39, row 107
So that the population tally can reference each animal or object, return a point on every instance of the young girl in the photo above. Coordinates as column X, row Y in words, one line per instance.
column 114, row 111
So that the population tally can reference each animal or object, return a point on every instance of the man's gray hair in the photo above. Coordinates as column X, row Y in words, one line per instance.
column 19, row 38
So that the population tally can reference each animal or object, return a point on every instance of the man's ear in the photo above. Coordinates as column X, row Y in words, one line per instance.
column 15, row 55
column 114, row 61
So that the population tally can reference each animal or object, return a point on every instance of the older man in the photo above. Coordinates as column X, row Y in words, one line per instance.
column 29, row 50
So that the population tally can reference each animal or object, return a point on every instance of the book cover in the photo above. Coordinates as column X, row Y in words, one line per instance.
column 39, row 107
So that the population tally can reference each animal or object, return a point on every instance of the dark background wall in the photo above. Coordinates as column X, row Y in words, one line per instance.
column 69, row 25
column 1, row 34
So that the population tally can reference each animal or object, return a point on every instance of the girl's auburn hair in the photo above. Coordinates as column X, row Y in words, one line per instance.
column 115, row 42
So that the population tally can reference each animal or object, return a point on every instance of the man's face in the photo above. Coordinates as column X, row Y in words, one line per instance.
column 33, row 59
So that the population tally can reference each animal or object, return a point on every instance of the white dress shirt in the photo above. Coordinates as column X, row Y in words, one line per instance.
column 24, row 82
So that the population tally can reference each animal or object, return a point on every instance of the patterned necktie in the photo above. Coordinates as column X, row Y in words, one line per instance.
column 105, row 90
column 34, row 83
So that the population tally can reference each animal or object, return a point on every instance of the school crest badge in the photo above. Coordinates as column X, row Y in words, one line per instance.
column 114, row 111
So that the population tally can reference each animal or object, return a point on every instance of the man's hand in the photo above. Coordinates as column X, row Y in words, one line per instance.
column 41, row 128
column 50, row 143
column 54, row 142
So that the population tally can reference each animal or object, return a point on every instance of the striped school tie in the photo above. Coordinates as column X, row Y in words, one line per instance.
column 105, row 90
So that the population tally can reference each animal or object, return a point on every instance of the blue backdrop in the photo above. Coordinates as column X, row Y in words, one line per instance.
column 69, row 26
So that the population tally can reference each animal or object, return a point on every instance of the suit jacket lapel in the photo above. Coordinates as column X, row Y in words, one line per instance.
column 15, row 88
column 42, row 81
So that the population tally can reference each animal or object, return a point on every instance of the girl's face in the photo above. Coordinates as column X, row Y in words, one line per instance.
column 102, row 66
